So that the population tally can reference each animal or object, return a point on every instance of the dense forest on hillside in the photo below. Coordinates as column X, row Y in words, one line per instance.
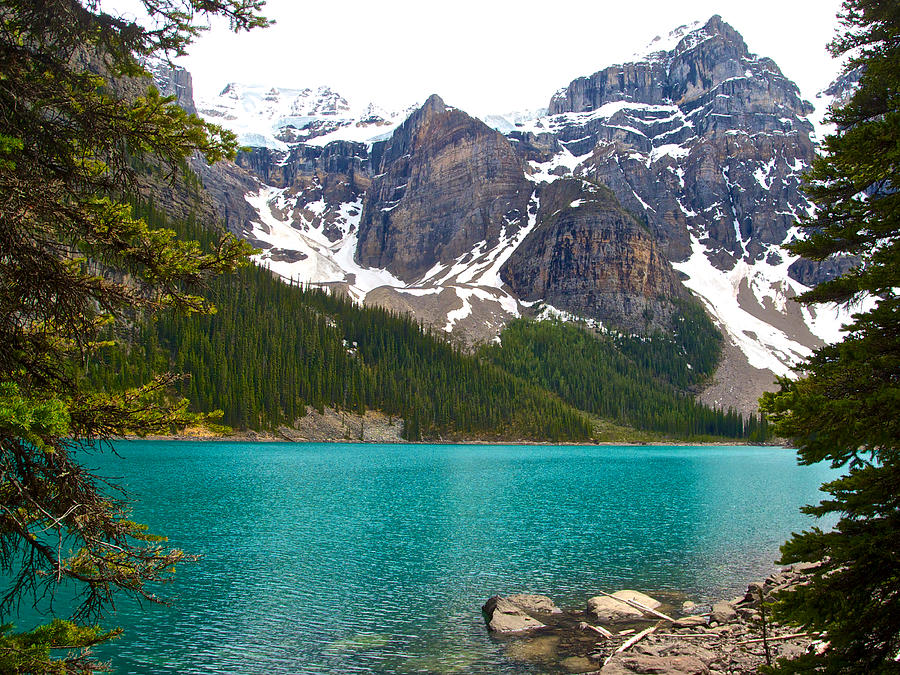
column 272, row 349
column 642, row 382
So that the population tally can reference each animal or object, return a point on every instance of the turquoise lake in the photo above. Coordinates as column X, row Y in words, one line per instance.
column 332, row 558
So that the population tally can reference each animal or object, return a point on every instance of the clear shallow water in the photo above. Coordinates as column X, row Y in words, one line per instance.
column 324, row 558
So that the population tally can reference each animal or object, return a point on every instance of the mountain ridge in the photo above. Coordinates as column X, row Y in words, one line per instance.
column 702, row 142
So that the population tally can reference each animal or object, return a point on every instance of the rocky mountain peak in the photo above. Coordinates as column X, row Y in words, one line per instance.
column 683, row 67
column 278, row 118
column 716, row 30
column 444, row 182
column 433, row 104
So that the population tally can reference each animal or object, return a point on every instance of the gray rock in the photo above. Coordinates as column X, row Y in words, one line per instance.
column 540, row 604
column 642, row 663
column 610, row 610
column 724, row 612
column 680, row 648
column 690, row 621
column 503, row 616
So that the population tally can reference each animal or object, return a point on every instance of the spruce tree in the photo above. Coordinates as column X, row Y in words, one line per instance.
column 845, row 409
column 77, row 116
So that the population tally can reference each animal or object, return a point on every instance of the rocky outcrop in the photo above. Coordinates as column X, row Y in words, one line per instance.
column 844, row 86
column 444, row 183
column 172, row 80
column 226, row 184
column 705, row 140
column 589, row 256
column 728, row 640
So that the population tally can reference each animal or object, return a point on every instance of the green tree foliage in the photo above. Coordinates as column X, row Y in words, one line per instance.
column 73, row 260
column 640, row 382
column 272, row 349
column 846, row 408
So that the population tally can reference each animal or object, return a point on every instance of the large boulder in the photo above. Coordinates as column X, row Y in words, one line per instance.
column 539, row 604
column 629, row 664
column 723, row 612
column 503, row 616
column 609, row 610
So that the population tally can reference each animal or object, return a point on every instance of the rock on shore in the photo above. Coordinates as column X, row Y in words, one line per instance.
column 504, row 616
column 612, row 610
column 726, row 638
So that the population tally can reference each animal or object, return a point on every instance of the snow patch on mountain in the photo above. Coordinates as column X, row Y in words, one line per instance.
column 276, row 117
column 512, row 121
column 765, row 346
column 661, row 45
column 296, row 248
column 749, row 303
column 302, row 253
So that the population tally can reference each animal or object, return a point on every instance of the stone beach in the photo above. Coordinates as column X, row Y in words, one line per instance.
column 623, row 633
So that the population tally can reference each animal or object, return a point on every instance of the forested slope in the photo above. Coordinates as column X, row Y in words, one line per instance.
column 638, row 381
column 272, row 349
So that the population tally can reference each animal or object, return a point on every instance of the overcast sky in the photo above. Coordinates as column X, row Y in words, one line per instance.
column 488, row 56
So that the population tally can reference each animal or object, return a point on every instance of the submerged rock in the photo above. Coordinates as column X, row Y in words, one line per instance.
column 503, row 616
column 606, row 609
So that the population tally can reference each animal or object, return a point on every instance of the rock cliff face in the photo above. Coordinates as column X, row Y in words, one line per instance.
column 588, row 256
column 445, row 182
column 174, row 81
column 704, row 140
column 315, row 183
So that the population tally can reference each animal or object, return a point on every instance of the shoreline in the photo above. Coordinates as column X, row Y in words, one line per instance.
column 335, row 426
column 264, row 437
column 628, row 632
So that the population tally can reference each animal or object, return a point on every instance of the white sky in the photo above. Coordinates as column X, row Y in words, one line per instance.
column 487, row 56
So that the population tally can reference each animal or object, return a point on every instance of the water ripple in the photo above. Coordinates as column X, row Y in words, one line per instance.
column 376, row 559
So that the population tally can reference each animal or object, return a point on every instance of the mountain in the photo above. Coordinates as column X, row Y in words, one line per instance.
column 274, row 351
column 670, row 179
column 706, row 143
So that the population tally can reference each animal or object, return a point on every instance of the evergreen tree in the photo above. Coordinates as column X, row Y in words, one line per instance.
column 846, row 408
column 76, row 117
column 642, row 382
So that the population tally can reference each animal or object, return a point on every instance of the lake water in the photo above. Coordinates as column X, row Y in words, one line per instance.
column 327, row 558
